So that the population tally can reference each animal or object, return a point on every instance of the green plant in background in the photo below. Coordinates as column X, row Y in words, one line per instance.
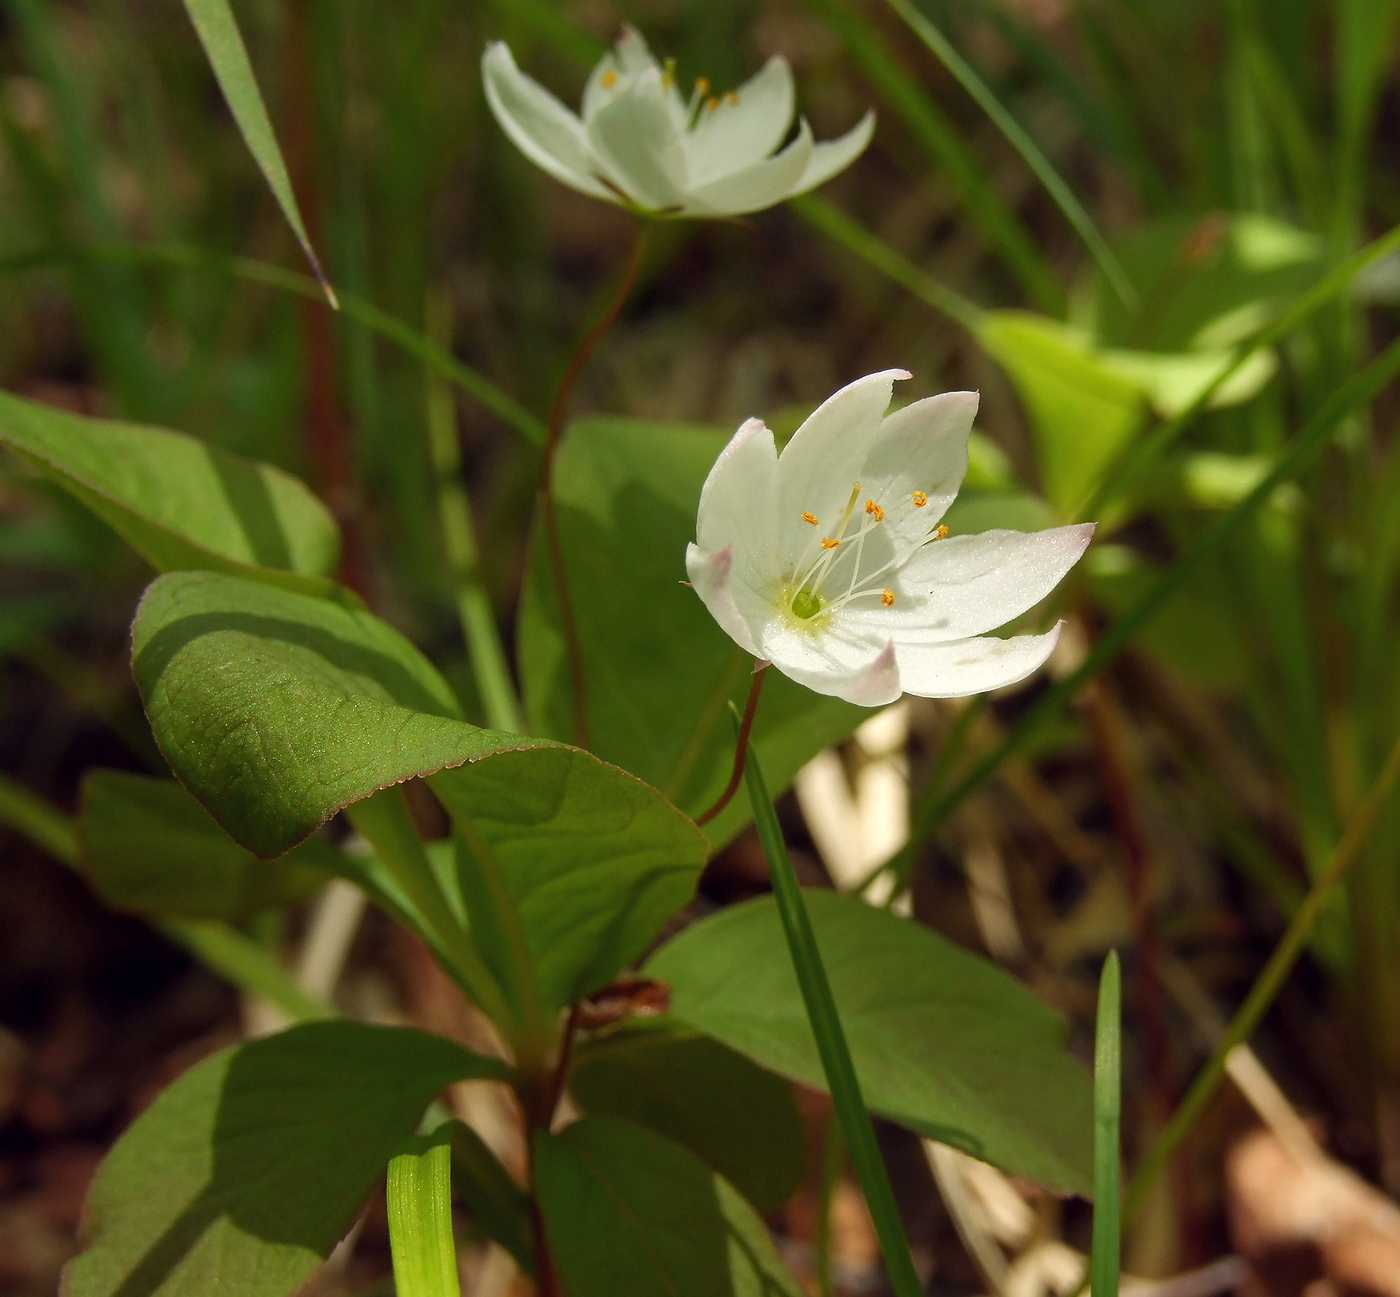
column 1207, row 379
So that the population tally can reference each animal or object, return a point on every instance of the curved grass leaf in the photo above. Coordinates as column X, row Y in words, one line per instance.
column 626, row 1211
column 943, row 1041
column 245, row 1173
column 179, row 502
column 418, row 1195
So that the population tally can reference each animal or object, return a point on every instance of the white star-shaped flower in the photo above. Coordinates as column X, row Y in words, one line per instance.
column 829, row 560
column 641, row 144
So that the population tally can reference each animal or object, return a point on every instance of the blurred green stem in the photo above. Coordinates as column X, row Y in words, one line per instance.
column 488, row 659
column 831, row 1040
column 1108, row 1100
column 1266, row 987
column 558, row 412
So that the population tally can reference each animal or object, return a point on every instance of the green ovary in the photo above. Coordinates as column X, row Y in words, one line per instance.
column 806, row 605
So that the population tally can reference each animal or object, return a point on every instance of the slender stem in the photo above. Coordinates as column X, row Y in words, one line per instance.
column 1106, row 1248
column 488, row 659
column 741, row 748
column 831, row 1042
column 558, row 410
column 1266, row 987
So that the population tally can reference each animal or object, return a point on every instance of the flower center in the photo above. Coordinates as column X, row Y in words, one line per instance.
column 806, row 605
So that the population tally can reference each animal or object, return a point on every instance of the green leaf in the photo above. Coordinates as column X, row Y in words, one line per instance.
column 660, row 672
column 276, row 710
column 148, row 846
column 577, row 861
column 738, row 1119
column 418, row 1195
column 228, row 56
column 177, row 501
column 500, row 1206
column 1081, row 411
column 245, row 1173
column 943, row 1041
column 626, row 1211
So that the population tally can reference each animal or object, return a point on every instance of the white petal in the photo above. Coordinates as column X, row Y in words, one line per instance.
column 822, row 462
column 831, row 156
column 710, row 575
column 633, row 53
column 595, row 93
column 738, row 506
column 734, row 134
column 922, row 447
column 537, row 123
column 966, row 585
column 860, row 669
column 636, row 143
column 759, row 185
column 971, row 666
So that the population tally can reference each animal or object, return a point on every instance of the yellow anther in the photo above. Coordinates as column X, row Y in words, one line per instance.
column 731, row 97
column 875, row 511
column 668, row 74
column 809, row 517
column 920, row 499
column 711, row 104
column 702, row 85
column 940, row 531
column 887, row 598
column 608, row 80
column 829, row 543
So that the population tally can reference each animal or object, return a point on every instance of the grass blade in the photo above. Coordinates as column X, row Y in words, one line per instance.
column 1108, row 1100
column 831, row 1040
column 419, row 1195
column 1055, row 185
column 223, row 44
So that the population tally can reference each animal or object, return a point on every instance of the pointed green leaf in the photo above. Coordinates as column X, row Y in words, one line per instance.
column 228, row 56
column 943, row 1041
column 245, row 1173
column 179, row 502
column 661, row 673
column 626, row 1211
column 147, row 845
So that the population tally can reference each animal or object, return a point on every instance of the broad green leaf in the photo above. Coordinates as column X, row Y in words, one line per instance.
column 1081, row 412
column 177, row 501
column 276, row 710
column 228, row 56
column 148, row 846
column 1173, row 382
column 660, row 671
column 943, row 1041
column 500, row 1206
column 626, row 1211
column 245, row 1173
column 738, row 1119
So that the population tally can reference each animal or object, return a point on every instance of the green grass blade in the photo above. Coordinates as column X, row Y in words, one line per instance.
column 1108, row 1100
column 1296, row 456
column 944, row 143
column 44, row 825
column 419, row 1195
column 1266, row 986
column 1065, row 198
column 223, row 44
column 831, row 1040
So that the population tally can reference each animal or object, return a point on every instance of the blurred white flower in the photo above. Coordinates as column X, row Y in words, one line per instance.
column 830, row 562
column 641, row 144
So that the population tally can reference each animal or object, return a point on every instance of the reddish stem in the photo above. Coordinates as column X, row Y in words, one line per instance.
column 555, row 545
column 741, row 748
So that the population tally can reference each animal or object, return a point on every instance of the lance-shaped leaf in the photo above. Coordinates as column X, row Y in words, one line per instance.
column 179, row 502
column 943, row 1041
column 661, row 674
column 245, row 1173
column 626, row 1211
column 147, row 845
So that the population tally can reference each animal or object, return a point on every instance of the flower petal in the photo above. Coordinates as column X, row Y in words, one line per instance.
column 637, row 145
column 967, row 585
column 831, row 156
column 743, row 128
column 710, row 575
column 633, row 53
column 823, row 461
column 738, row 506
column 537, row 123
column 971, row 666
column 922, row 448
column 759, row 185
column 860, row 669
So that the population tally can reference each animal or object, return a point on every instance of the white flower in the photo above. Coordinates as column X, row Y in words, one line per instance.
column 642, row 145
column 829, row 561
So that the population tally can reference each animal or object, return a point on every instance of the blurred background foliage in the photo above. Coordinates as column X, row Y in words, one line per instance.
column 1220, row 160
